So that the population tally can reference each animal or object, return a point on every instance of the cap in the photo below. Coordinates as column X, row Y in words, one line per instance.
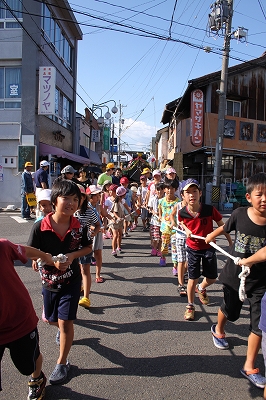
column 68, row 169
column 28, row 164
column 44, row 194
column 156, row 172
column 44, row 163
column 134, row 184
column 113, row 187
column 142, row 177
column 93, row 189
column 134, row 189
column 170, row 170
column 107, row 183
column 146, row 170
column 124, row 180
column 120, row 191
column 110, row 165
column 81, row 188
column 189, row 182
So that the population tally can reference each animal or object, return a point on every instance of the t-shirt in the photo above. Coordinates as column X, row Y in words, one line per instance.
column 249, row 238
column 104, row 177
column 43, row 237
column 166, row 208
column 201, row 224
column 154, row 207
column 88, row 219
column 142, row 191
column 17, row 315
column 41, row 176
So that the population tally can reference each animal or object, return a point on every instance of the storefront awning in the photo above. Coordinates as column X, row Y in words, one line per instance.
column 92, row 155
column 45, row 149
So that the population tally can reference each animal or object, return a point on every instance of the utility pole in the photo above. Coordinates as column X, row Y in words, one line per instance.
column 222, row 98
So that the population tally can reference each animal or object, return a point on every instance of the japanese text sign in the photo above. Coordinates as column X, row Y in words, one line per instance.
column 197, row 117
column 47, row 90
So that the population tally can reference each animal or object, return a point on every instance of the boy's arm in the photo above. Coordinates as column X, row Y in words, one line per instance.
column 217, row 232
column 34, row 254
column 258, row 257
column 227, row 235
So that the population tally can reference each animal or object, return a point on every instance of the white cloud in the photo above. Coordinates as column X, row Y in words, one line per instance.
column 136, row 135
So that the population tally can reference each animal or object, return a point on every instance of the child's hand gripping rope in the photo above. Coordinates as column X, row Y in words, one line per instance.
column 245, row 270
column 60, row 258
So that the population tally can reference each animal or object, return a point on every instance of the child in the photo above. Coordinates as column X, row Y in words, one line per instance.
column 61, row 233
column 88, row 218
column 141, row 195
column 249, row 224
column 166, row 205
column 155, row 223
column 197, row 218
column 104, row 196
column 134, row 200
column 178, row 245
column 44, row 203
column 124, row 182
column 18, row 320
column 117, row 212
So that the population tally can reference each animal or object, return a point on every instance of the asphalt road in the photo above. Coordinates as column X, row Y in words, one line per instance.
column 134, row 343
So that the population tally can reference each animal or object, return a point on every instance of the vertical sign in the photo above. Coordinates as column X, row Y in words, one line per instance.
column 46, row 90
column 196, row 135
column 95, row 135
column 106, row 138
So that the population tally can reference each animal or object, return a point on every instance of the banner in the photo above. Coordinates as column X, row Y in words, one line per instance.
column 95, row 135
column 197, row 115
column 106, row 138
column 46, row 91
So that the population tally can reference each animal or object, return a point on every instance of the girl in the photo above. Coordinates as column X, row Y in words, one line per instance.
column 117, row 211
column 155, row 223
column 104, row 196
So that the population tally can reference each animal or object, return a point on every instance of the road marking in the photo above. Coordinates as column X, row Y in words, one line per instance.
column 20, row 220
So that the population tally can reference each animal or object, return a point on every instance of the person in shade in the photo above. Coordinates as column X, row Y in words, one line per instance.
column 26, row 188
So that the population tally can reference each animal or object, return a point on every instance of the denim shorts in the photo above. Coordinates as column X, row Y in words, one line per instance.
column 87, row 259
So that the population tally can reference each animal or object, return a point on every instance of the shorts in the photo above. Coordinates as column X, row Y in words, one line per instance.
column 24, row 353
column 231, row 306
column 178, row 246
column 87, row 259
column 144, row 213
column 61, row 305
column 209, row 263
column 98, row 241
column 155, row 233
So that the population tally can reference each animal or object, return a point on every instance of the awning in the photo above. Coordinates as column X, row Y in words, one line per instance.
column 45, row 149
column 92, row 155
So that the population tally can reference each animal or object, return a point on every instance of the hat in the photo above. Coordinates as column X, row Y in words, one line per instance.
column 134, row 184
column 68, row 169
column 120, row 191
column 146, row 170
column 124, row 180
column 93, row 189
column 156, row 172
column 28, row 164
column 170, row 170
column 44, row 194
column 189, row 182
column 110, row 165
column 113, row 187
column 107, row 183
column 134, row 189
column 81, row 188
column 44, row 163
column 142, row 177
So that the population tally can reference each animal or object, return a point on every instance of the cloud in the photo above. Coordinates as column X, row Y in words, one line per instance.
column 136, row 135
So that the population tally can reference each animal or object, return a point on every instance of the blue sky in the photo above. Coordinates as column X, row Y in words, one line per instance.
column 141, row 69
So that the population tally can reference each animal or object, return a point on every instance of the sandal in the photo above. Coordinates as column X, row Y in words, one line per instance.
column 219, row 340
column 99, row 280
column 254, row 377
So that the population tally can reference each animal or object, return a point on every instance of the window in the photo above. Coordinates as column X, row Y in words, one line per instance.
column 8, row 17
column 227, row 162
column 10, row 88
column 63, row 108
column 233, row 108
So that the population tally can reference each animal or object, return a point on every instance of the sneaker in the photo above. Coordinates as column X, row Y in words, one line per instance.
column 85, row 302
column 203, row 297
column 190, row 312
column 255, row 377
column 153, row 252
column 182, row 290
column 118, row 250
column 57, row 338
column 59, row 374
column 174, row 271
column 162, row 262
column 37, row 388
column 219, row 339
column 114, row 253
column 159, row 254
column 105, row 236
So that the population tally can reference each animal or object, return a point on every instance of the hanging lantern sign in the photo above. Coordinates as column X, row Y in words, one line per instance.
column 197, row 116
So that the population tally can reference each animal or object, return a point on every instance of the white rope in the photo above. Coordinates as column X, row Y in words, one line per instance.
column 60, row 257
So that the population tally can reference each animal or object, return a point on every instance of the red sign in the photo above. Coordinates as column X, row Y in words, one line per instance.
column 197, row 116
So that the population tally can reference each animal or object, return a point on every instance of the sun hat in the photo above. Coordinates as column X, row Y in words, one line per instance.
column 107, row 183
column 93, row 189
column 146, row 171
column 120, row 191
column 113, row 187
column 44, row 163
column 134, row 189
column 170, row 170
column 44, row 194
column 189, row 182
column 142, row 177
column 68, row 170
column 81, row 188
column 110, row 165
column 124, row 180
column 28, row 164
column 156, row 172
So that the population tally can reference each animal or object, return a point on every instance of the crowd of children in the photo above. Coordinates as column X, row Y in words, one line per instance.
column 178, row 221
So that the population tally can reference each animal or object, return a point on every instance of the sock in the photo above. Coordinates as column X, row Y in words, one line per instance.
column 36, row 379
column 200, row 288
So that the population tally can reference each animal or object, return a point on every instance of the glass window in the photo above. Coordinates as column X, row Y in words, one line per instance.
column 5, row 14
column 16, row 7
column 2, row 85
column 233, row 108
column 10, row 87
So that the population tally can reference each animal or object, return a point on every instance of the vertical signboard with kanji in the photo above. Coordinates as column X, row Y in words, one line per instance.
column 46, row 90
column 197, row 116
column 106, row 138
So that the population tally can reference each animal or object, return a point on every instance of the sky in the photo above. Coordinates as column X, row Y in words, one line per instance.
column 142, row 53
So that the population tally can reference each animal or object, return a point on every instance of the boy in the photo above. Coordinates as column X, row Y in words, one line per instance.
column 155, row 223
column 166, row 205
column 125, row 182
column 44, row 203
column 61, row 233
column 141, row 195
column 197, row 219
column 249, row 224
column 18, row 320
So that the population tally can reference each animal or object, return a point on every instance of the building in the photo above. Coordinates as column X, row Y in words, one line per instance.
column 192, row 137
column 34, row 35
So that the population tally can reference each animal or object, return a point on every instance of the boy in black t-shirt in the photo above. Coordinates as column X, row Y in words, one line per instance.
column 249, row 224
column 61, row 233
